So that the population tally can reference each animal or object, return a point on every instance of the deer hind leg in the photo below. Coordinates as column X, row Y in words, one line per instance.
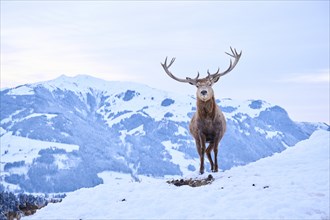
column 208, row 154
column 215, row 159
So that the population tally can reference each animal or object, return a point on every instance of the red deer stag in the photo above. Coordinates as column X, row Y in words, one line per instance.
column 208, row 124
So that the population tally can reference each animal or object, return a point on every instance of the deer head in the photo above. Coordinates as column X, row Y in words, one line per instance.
column 204, row 85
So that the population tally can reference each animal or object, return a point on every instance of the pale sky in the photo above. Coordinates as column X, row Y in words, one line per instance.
column 285, row 46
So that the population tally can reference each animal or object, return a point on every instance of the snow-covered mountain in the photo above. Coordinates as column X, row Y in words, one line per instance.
column 293, row 184
column 56, row 136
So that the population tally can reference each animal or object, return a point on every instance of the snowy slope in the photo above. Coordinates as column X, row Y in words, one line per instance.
column 15, row 155
column 124, row 127
column 293, row 184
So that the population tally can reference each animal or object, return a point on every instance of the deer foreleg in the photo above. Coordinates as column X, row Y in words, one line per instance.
column 208, row 154
column 202, row 140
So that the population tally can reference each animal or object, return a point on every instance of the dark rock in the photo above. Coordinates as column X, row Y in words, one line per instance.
column 192, row 182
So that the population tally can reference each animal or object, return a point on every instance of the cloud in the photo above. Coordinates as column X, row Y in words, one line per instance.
column 322, row 76
column 45, row 53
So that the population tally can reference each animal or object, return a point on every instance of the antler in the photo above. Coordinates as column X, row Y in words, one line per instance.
column 187, row 80
column 214, row 77
column 218, row 74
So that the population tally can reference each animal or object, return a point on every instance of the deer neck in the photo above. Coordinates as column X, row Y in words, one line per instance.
column 206, row 109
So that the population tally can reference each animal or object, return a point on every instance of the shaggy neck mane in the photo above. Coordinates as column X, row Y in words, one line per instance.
column 206, row 109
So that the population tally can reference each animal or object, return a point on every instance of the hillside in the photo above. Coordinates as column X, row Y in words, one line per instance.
column 293, row 184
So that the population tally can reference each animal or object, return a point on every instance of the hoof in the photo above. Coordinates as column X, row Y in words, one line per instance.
column 210, row 177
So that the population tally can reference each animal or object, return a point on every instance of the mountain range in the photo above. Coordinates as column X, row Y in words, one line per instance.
column 58, row 135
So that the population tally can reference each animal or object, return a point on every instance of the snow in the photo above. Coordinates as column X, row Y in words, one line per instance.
column 178, row 157
column 13, row 148
column 153, row 108
column 2, row 131
column 269, row 134
column 244, row 107
column 63, row 162
column 272, row 134
column 10, row 118
column 21, row 90
column 181, row 131
column 293, row 184
column 136, row 131
column 78, row 84
column 48, row 116
column 83, row 85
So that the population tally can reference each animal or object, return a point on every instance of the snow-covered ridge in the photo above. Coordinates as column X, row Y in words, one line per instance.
column 119, row 96
column 85, row 84
column 77, row 84
column 81, row 85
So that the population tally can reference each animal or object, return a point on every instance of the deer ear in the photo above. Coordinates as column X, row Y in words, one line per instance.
column 215, row 79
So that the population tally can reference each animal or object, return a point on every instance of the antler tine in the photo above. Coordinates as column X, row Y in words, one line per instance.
column 172, row 61
column 232, row 64
column 165, row 63
column 197, row 76
column 209, row 74
column 195, row 79
column 233, row 52
column 187, row 80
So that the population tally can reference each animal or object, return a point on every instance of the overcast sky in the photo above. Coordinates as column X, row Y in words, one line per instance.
column 285, row 46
